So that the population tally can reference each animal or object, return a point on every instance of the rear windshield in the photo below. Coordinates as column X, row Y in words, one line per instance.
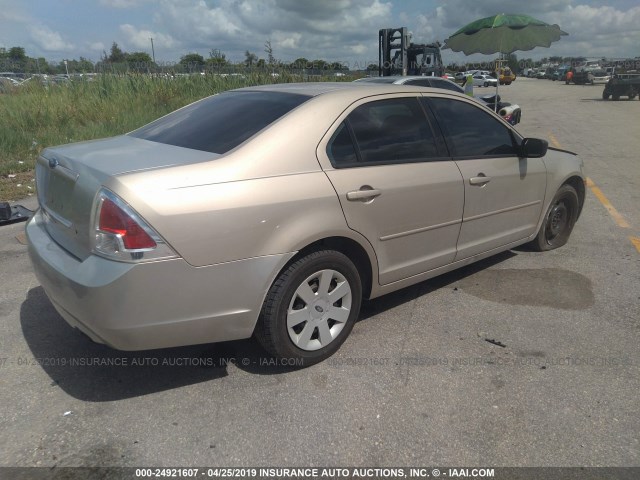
column 220, row 123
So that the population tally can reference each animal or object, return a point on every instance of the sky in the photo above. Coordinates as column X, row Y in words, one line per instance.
column 334, row 30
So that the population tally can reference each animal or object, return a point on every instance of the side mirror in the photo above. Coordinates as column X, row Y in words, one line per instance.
column 533, row 148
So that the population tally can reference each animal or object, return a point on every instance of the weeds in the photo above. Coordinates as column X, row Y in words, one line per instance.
column 34, row 116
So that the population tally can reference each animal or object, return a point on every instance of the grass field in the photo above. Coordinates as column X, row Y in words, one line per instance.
column 34, row 116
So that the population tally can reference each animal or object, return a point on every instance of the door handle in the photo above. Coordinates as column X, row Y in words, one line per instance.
column 481, row 180
column 364, row 194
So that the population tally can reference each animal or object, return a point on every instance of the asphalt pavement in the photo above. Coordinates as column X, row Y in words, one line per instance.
column 524, row 359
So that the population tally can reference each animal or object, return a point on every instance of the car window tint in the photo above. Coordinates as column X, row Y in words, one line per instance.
column 470, row 131
column 221, row 122
column 392, row 130
column 341, row 150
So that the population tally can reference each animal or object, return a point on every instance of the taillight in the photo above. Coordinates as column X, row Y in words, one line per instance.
column 114, row 220
column 121, row 234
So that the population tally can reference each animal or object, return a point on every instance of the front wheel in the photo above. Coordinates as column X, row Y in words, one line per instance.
column 559, row 220
column 311, row 308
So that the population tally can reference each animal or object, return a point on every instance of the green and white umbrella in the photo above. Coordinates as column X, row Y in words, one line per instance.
column 503, row 34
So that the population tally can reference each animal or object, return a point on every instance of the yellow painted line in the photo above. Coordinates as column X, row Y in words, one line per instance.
column 617, row 216
column 554, row 141
column 619, row 219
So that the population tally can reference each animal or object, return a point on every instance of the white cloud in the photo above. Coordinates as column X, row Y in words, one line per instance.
column 336, row 30
column 140, row 39
column 48, row 40
column 96, row 46
column 123, row 3
column 599, row 31
column 296, row 28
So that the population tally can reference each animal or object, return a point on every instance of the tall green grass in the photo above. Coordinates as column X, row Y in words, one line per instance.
column 34, row 116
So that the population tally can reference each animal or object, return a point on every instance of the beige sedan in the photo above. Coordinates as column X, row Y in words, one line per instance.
column 275, row 210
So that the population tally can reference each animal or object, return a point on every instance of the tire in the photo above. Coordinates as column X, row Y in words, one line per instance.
column 559, row 220
column 309, row 331
column 605, row 95
column 486, row 84
column 615, row 97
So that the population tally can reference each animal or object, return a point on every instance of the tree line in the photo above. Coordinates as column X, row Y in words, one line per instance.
column 117, row 60
column 16, row 60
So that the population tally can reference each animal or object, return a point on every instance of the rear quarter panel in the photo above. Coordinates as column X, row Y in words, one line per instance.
column 221, row 222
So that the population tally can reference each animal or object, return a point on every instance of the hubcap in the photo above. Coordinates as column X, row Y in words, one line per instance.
column 319, row 310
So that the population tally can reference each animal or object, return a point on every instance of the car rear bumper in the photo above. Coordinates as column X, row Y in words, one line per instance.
column 152, row 305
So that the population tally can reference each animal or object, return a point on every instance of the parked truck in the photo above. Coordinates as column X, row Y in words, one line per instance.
column 621, row 85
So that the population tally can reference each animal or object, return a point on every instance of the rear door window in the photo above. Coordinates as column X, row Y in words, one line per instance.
column 384, row 131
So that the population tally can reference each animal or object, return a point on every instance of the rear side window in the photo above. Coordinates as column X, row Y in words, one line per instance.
column 385, row 131
column 472, row 132
column 392, row 130
column 220, row 123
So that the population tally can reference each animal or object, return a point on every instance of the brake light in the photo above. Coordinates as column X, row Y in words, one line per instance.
column 121, row 234
column 114, row 220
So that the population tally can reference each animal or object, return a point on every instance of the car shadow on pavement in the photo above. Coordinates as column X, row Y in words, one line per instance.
column 96, row 373
column 371, row 308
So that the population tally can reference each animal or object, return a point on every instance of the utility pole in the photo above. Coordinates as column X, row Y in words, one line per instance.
column 153, row 52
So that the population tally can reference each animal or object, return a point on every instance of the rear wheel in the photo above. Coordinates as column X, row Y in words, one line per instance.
column 605, row 95
column 311, row 308
column 559, row 220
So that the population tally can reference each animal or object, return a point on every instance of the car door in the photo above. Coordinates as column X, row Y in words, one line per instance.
column 396, row 185
column 503, row 192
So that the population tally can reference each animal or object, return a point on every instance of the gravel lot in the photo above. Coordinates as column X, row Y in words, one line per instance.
column 417, row 383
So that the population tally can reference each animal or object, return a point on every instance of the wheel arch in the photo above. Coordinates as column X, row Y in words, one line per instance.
column 578, row 184
column 358, row 254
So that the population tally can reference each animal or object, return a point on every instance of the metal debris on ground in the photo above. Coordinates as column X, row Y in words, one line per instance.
column 13, row 214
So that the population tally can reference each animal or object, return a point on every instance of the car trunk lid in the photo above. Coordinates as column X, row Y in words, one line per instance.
column 68, row 178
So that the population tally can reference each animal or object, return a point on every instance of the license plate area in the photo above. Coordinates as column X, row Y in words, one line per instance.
column 58, row 195
column 56, row 192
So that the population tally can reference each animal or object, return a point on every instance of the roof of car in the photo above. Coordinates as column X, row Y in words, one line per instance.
column 393, row 78
column 313, row 89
